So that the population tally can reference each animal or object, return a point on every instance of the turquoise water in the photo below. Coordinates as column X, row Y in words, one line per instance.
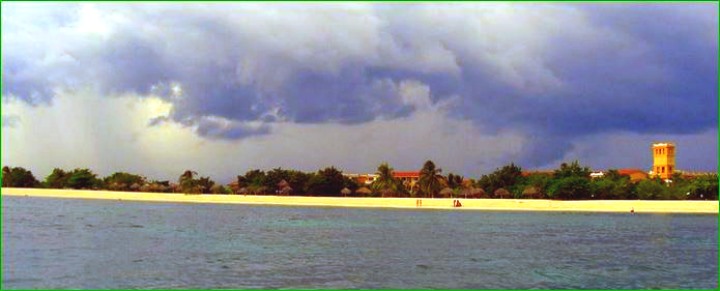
column 57, row 243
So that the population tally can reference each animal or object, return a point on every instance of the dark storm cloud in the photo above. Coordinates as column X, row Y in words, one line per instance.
column 553, row 72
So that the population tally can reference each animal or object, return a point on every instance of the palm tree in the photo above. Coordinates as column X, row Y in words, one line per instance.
column 187, row 175
column 385, row 181
column 430, row 180
column 186, row 181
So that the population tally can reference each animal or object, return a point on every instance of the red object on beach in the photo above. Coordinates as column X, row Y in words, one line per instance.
column 456, row 203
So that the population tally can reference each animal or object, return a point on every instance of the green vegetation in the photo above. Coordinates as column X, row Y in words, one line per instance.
column 569, row 182
column 507, row 177
column 431, row 181
column 386, row 185
column 18, row 177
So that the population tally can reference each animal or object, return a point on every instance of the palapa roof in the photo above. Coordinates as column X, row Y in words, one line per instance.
column 363, row 190
column 406, row 174
column 502, row 192
column 531, row 190
column 283, row 184
column 286, row 190
column 630, row 171
column 446, row 191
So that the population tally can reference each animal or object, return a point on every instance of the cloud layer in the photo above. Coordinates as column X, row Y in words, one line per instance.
column 550, row 75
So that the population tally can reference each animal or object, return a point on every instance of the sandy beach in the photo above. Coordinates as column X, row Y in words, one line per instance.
column 639, row 206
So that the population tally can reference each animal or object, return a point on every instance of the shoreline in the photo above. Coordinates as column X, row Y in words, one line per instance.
column 617, row 206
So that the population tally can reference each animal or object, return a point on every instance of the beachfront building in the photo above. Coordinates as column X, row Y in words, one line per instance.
column 597, row 174
column 635, row 175
column 663, row 160
column 362, row 179
column 408, row 178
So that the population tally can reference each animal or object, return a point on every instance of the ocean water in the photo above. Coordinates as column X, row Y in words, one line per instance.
column 65, row 243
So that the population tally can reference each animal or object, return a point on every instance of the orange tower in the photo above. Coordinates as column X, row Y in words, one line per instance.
column 663, row 159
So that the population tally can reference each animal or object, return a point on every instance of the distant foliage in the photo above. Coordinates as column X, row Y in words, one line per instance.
column 18, row 177
column 653, row 189
column 190, row 185
column 121, row 181
column 570, row 181
column 507, row 177
column 83, row 179
column 570, row 188
column 75, row 179
column 326, row 182
column 431, row 181
column 572, row 170
column 386, row 184
column 57, row 179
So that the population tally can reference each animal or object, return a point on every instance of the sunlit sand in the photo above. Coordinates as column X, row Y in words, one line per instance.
column 639, row 206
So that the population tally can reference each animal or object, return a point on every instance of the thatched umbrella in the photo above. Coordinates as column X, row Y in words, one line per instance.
column 282, row 184
column 466, row 183
column 502, row 193
column 532, row 192
column 135, row 187
column 387, row 192
column 217, row 189
column 234, row 186
column 446, row 192
column 363, row 191
column 242, row 190
column 261, row 190
column 478, row 193
column 466, row 192
column 286, row 190
column 345, row 191
column 146, row 188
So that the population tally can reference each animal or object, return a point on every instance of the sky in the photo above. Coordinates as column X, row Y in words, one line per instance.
column 156, row 88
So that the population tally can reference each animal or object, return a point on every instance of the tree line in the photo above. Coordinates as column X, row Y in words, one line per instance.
column 569, row 182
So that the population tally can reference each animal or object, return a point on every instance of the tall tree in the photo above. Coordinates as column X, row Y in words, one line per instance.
column 570, row 188
column 572, row 170
column 82, row 179
column 188, row 183
column 123, row 181
column 385, row 183
column 57, row 179
column 205, row 184
column 703, row 188
column 18, row 177
column 454, row 181
column 326, row 182
column 431, row 181
column 507, row 177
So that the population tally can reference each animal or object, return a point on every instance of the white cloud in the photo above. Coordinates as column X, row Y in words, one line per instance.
column 112, row 134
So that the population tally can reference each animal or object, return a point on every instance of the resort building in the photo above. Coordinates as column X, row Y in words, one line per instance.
column 663, row 160
column 362, row 179
column 409, row 178
column 636, row 175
